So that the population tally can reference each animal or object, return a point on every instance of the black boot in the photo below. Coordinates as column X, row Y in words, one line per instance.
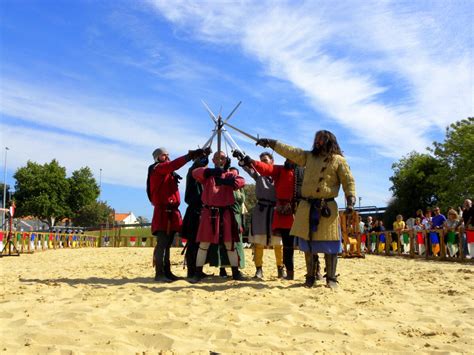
column 198, row 275
column 317, row 274
column 290, row 275
column 281, row 272
column 331, row 264
column 310, row 280
column 169, row 274
column 236, row 275
column 222, row 272
column 259, row 273
column 160, row 275
column 191, row 271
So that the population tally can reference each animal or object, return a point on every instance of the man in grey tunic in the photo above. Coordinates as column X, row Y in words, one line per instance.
column 262, row 217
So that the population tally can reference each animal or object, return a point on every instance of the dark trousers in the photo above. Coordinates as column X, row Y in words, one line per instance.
column 162, row 251
column 288, row 248
column 192, row 248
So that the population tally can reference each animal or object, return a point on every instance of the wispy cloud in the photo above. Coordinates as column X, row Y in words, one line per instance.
column 323, row 50
column 76, row 113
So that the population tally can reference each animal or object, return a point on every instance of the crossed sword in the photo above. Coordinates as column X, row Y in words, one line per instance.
column 219, row 122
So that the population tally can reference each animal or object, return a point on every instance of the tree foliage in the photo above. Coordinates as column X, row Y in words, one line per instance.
column 444, row 176
column 94, row 214
column 250, row 197
column 142, row 220
column 414, row 182
column 44, row 191
column 455, row 177
column 83, row 189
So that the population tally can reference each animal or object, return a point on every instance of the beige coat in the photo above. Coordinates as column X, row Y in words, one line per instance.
column 319, row 183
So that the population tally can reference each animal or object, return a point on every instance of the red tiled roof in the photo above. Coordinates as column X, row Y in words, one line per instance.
column 119, row 217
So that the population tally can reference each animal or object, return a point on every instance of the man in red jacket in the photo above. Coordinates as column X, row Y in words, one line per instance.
column 163, row 193
column 218, row 223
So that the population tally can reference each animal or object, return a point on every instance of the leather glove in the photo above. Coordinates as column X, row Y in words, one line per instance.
column 266, row 142
column 213, row 172
column 207, row 151
column 238, row 154
column 229, row 181
column 227, row 164
column 351, row 200
column 247, row 161
column 197, row 153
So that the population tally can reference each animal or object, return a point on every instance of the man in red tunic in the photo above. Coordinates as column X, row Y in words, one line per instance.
column 218, row 223
column 163, row 193
column 286, row 178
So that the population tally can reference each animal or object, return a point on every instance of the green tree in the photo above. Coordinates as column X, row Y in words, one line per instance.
column 142, row 220
column 455, row 176
column 250, row 197
column 42, row 191
column 8, row 194
column 414, row 183
column 83, row 189
column 94, row 214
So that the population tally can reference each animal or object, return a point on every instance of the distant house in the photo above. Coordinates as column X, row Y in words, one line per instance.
column 30, row 224
column 125, row 218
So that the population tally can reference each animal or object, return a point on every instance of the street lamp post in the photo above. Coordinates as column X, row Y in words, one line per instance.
column 4, row 186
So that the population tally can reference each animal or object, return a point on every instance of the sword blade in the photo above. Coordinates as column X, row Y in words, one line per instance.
column 209, row 141
column 211, row 114
column 233, row 111
column 242, row 132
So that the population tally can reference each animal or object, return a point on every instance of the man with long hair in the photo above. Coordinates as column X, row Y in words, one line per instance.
column 316, row 223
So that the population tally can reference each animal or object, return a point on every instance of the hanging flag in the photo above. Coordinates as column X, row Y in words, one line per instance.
column 434, row 238
column 420, row 238
column 470, row 243
column 32, row 241
column 470, row 236
column 381, row 247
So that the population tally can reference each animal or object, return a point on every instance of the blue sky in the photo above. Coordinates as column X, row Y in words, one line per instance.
column 104, row 83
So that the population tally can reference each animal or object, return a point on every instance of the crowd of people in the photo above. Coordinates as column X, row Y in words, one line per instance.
column 426, row 226
column 296, row 207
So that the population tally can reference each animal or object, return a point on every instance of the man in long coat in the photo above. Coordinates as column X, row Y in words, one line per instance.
column 316, row 222
column 218, row 223
column 163, row 193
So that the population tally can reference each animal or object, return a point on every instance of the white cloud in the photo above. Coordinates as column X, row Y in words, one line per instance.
column 339, row 55
column 79, row 114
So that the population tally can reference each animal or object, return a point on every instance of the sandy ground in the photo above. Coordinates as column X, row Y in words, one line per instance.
column 105, row 301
